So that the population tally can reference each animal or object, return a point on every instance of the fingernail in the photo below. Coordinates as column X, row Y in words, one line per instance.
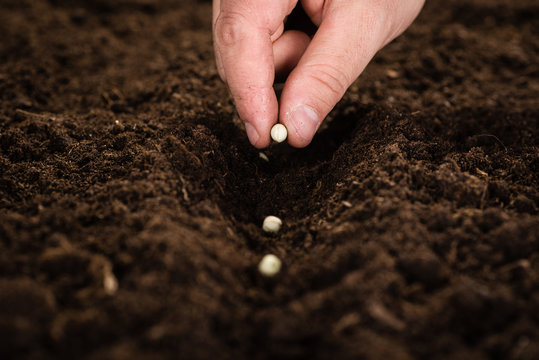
column 252, row 134
column 305, row 121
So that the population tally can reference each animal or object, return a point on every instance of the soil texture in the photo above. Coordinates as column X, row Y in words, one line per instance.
column 131, row 202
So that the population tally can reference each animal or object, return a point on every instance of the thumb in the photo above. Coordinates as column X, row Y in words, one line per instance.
column 350, row 34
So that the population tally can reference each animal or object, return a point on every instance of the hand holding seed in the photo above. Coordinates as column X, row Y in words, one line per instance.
column 252, row 46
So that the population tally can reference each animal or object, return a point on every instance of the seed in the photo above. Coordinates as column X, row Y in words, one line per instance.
column 271, row 224
column 110, row 283
column 279, row 133
column 392, row 74
column 270, row 265
column 263, row 156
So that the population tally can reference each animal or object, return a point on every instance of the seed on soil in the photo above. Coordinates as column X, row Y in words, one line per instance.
column 263, row 156
column 279, row 133
column 272, row 224
column 270, row 265
column 392, row 74
column 110, row 283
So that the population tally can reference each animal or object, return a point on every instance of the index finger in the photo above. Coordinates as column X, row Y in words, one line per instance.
column 243, row 44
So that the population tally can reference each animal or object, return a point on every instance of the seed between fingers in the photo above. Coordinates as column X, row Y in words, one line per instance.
column 279, row 133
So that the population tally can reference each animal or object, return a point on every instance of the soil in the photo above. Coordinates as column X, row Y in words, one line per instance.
column 131, row 202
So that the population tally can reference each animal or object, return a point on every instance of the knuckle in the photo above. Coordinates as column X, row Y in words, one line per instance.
column 376, row 16
column 331, row 78
column 230, row 28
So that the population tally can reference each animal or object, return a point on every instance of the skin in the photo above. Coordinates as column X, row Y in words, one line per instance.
column 252, row 48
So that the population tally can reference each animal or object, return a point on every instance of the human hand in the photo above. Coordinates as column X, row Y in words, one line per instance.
column 251, row 47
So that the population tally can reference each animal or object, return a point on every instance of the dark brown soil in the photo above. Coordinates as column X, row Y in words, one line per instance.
column 411, row 224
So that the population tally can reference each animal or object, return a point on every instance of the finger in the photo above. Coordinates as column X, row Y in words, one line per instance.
column 339, row 51
column 243, row 40
column 349, row 35
column 216, row 8
column 282, row 60
column 287, row 50
column 314, row 9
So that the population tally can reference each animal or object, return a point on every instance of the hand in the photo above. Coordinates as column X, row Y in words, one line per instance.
column 251, row 46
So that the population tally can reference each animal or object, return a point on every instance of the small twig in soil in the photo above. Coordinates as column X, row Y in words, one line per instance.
column 184, row 190
column 219, row 186
column 28, row 113
column 452, row 253
column 107, row 98
column 495, row 137
column 118, row 93
column 484, row 175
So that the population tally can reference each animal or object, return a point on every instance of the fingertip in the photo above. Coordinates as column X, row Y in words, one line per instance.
column 255, row 137
column 258, row 109
column 261, row 144
column 302, row 122
column 252, row 134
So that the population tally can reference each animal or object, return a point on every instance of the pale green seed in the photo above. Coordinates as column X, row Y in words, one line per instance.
column 270, row 265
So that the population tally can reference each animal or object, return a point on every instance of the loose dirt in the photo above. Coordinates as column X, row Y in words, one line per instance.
column 131, row 202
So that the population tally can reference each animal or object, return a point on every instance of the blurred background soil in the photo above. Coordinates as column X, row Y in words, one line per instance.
column 131, row 201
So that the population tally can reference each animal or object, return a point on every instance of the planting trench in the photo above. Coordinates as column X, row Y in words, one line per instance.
column 131, row 202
